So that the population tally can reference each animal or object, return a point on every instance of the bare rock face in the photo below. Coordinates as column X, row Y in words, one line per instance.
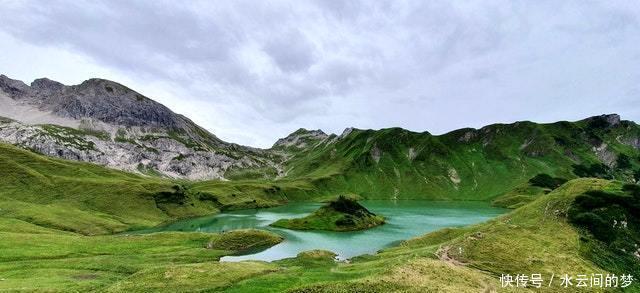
column 109, row 124
column 152, row 156
column 13, row 88
column 612, row 119
column 95, row 99
column 45, row 85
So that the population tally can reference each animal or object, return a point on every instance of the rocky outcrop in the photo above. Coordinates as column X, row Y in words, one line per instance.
column 605, row 120
column 300, row 139
column 152, row 155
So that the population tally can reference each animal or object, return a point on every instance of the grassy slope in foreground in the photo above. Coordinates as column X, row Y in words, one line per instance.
column 341, row 214
column 42, row 259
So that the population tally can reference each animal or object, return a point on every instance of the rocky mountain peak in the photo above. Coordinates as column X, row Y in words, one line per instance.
column 612, row 119
column 94, row 99
column 605, row 120
column 107, row 123
column 346, row 132
column 12, row 87
column 47, row 85
column 301, row 138
column 304, row 131
column 104, row 86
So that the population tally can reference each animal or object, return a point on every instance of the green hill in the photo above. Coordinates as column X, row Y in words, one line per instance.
column 469, row 164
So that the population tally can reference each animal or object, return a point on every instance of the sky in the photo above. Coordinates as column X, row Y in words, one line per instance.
column 254, row 71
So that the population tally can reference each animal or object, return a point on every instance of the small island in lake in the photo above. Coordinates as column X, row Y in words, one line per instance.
column 341, row 214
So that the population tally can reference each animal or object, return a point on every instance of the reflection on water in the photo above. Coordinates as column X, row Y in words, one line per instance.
column 405, row 219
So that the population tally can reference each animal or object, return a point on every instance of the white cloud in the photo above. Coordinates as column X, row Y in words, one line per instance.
column 253, row 71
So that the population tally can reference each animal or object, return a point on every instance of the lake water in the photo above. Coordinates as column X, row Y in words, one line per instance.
column 404, row 220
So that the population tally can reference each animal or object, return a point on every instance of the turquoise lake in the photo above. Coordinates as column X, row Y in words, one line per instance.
column 404, row 220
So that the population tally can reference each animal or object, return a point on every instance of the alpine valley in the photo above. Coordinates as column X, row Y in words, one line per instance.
column 84, row 168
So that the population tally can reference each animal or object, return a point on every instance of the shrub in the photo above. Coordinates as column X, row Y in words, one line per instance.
column 594, row 224
column 623, row 162
column 636, row 175
column 546, row 181
column 597, row 170
column 348, row 206
column 597, row 211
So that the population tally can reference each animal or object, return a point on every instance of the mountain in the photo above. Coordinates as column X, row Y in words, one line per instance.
column 472, row 164
column 103, row 122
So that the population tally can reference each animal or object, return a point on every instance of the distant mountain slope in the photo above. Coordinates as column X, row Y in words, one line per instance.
column 467, row 163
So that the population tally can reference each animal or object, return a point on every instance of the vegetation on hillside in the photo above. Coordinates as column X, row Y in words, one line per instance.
column 546, row 181
column 534, row 239
column 39, row 255
column 528, row 192
column 466, row 164
column 89, row 199
column 609, row 223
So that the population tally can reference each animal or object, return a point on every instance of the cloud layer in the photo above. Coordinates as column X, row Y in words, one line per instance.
column 253, row 71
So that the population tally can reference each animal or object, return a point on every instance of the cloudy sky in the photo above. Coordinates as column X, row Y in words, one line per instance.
column 253, row 71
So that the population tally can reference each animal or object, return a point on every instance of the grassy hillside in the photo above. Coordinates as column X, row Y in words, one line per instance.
column 471, row 164
column 466, row 164
column 90, row 199
column 42, row 259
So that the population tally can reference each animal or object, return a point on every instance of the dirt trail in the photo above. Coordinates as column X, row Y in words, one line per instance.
column 443, row 255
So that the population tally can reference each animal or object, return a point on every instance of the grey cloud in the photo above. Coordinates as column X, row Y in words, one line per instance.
column 423, row 65
column 291, row 51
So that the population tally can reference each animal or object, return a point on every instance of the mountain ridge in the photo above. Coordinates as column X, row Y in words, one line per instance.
column 392, row 161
